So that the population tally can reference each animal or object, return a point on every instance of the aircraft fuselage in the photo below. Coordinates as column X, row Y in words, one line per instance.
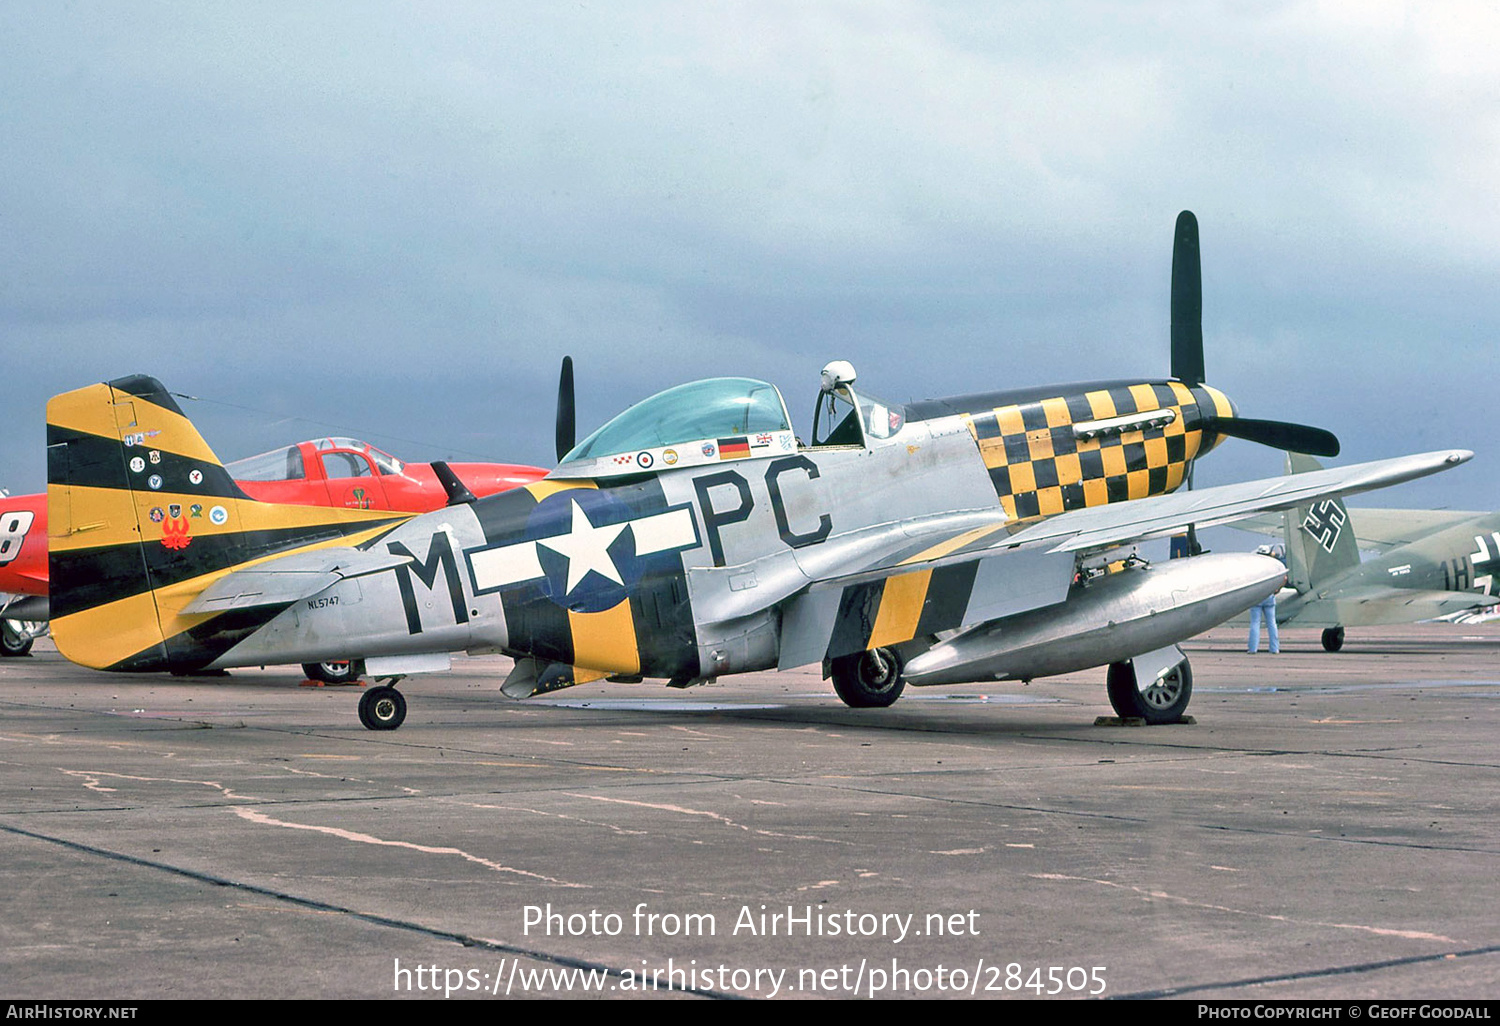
column 676, row 573
column 1462, row 558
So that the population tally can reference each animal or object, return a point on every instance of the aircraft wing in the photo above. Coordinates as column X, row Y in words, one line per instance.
column 1103, row 527
column 968, row 575
column 1375, row 528
column 1377, row 604
column 289, row 578
column 1389, row 528
column 1262, row 523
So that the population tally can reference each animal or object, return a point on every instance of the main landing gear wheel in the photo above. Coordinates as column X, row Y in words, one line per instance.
column 335, row 671
column 1333, row 639
column 868, row 680
column 382, row 708
column 1163, row 702
column 14, row 641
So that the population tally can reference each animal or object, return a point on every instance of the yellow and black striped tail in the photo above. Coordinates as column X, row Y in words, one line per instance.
column 142, row 517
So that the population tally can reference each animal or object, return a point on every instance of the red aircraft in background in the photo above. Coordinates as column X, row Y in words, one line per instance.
column 319, row 472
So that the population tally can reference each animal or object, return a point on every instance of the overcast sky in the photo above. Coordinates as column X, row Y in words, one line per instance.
column 392, row 221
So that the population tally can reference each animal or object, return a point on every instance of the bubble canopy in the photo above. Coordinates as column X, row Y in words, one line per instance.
column 288, row 464
column 709, row 409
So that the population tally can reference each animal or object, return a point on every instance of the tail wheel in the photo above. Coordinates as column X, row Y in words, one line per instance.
column 868, row 680
column 14, row 640
column 1164, row 701
column 1333, row 639
column 335, row 671
column 382, row 708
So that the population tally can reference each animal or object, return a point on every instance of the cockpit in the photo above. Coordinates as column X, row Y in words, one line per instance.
column 338, row 457
column 700, row 422
column 722, row 419
column 843, row 416
column 715, row 408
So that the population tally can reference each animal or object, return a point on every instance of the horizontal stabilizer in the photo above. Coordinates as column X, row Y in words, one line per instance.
column 1375, row 528
column 1385, row 529
column 290, row 578
column 1271, row 524
column 1378, row 605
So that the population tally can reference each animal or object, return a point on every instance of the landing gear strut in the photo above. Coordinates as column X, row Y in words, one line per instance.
column 868, row 680
column 1164, row 701
column 1333, row 639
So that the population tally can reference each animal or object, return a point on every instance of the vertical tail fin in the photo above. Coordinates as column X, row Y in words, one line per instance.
column 1319, row 539
column 142, row 516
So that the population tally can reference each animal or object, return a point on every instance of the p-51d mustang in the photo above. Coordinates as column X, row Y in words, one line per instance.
column 695, row 536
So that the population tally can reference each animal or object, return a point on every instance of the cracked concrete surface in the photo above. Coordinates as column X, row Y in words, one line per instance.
column 1328, row 829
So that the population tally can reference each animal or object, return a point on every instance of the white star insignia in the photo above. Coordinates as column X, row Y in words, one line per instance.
column 586, row 548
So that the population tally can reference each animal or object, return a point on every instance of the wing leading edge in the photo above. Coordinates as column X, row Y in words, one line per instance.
column 1103, row 527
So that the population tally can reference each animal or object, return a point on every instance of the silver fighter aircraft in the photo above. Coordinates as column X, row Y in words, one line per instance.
column 695, row 535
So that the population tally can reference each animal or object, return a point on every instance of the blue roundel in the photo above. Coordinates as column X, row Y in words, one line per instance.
column 586, row 548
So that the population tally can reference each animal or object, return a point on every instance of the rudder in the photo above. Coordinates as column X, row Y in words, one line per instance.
column 142, row 516
column 1320, row 541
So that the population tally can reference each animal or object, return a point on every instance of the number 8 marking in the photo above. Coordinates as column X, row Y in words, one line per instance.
column 13, row 528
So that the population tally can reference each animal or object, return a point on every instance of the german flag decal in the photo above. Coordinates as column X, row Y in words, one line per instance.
column 734, row 448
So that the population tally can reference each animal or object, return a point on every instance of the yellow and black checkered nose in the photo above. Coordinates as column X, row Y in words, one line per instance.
column 1096, row 446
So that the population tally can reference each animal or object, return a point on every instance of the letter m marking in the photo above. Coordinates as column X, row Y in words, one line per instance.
column 439, row 557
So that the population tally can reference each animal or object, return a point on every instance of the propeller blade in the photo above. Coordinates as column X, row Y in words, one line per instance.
column 1187, row 356
column 567, row 428
column 1279, row 435
column 1187, row 302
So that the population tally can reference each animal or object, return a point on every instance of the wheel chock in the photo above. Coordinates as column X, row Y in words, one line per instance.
column 1137, row 721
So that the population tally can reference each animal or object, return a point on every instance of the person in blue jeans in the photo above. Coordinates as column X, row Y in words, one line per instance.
column 1266, row 610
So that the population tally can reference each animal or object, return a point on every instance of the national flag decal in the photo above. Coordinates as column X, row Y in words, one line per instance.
column 734, row 448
